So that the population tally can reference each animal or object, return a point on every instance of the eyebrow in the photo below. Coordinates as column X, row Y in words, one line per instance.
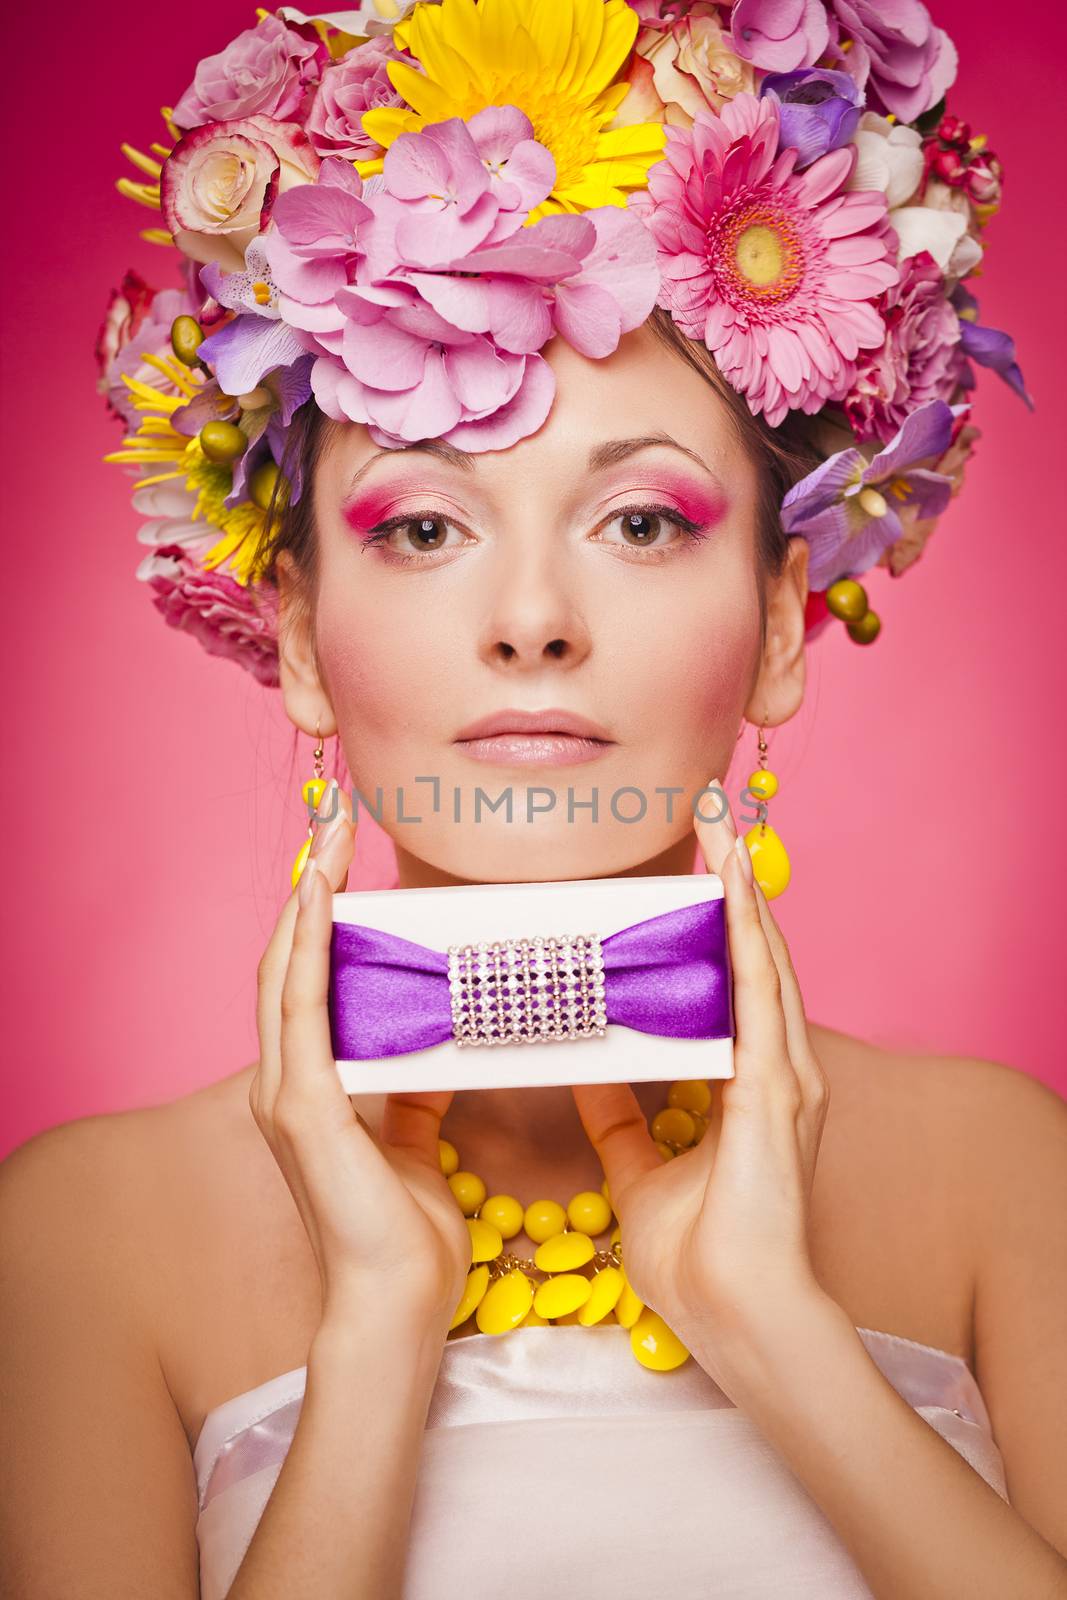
column 448, row 453
column 616, row 450
column 604, row 455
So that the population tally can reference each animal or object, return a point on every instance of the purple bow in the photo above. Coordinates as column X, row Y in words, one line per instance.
column 668, row 975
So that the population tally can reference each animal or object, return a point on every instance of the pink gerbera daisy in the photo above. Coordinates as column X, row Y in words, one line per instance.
column 775, row 271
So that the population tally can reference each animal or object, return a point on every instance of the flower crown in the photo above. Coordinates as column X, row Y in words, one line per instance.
column 389, row 211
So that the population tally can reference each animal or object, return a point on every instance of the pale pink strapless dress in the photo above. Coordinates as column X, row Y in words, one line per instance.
column 554, row 1464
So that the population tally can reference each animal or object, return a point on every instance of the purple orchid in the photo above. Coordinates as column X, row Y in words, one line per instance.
column 988, row 346
column 819, row 110
column 849, row 508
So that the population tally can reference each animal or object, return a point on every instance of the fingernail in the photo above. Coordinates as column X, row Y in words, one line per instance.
column 331, row 807
column 745, row 857
column 306, row 885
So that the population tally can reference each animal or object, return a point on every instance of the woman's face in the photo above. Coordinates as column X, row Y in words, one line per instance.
column 603, row 567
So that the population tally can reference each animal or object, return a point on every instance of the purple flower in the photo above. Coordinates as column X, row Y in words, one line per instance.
column 920, row 359
column 988, row 346
column 266, row 71
column 819, row 110
column 849, row 508
column 894, row 49
column 358, row 82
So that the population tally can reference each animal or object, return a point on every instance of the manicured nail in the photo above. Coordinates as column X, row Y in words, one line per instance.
column 332, row 808
column 305, row 888
column 745, row 857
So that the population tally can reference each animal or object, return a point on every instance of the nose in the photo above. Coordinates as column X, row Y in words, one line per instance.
column 534, row 615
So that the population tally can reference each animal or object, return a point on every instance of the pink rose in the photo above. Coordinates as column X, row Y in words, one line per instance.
column 219, row 184
column 682, row 63
column 266, row 71
column 358, row 82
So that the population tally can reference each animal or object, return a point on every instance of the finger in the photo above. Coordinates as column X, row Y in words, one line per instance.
column 612, row 1117
column 413, row 1122
column 306, row 1046
column 713, row 825
column 332, row 848
column 761, row 1056
column 813, row 1082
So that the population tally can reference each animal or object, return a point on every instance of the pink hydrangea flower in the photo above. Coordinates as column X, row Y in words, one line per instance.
column 427, row 298
column 267, row 71
column 920, row 360
column 777, row 271
column 357, row 83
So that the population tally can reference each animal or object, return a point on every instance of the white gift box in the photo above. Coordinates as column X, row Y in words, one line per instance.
column 471, row 913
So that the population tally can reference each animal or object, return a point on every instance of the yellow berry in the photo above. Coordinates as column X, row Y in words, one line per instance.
column 222, row 442
column 846, row 599
column 866, row 630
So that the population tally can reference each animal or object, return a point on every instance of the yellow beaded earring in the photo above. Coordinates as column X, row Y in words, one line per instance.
column 770, row 863
column 311, row 792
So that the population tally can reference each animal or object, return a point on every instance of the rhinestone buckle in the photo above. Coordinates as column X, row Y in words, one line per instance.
column 527, row 991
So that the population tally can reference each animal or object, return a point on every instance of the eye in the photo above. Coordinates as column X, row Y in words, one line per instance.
column 408, row 538
column 650, row 527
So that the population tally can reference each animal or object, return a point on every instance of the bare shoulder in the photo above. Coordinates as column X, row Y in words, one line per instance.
column 920, row 1157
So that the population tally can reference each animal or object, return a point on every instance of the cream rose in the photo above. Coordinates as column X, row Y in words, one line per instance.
column 681, row 68
column 220, row 182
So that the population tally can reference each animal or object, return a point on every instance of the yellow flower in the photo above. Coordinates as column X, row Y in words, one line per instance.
column 557, row 60
column 157, row 442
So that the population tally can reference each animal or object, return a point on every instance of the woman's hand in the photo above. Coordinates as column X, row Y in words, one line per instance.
column 379, row 1213
column 716, row 1239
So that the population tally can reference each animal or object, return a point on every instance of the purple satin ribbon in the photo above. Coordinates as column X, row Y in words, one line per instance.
column 668, row 975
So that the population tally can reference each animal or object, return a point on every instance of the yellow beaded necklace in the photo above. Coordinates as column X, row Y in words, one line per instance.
column 500, row 1291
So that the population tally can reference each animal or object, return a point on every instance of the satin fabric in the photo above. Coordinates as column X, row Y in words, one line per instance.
column 553, row 1463
column 668, row 975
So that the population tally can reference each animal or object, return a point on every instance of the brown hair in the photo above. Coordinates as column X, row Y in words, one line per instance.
column 780, row 455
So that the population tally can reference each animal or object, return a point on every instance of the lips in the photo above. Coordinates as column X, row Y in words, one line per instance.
column 551, row 721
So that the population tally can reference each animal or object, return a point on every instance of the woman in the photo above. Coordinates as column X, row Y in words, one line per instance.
column 252, row 1380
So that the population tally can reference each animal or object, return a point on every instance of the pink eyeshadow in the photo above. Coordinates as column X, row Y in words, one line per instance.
column 704, row 507
column 374, row 505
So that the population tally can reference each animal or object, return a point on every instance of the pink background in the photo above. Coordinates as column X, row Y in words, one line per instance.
column 152, row 799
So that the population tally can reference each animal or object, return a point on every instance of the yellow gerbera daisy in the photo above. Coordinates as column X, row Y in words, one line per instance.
column 157, row 442
column 557, row 60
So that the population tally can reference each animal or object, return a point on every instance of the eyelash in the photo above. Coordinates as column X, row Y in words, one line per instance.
column 694, row 532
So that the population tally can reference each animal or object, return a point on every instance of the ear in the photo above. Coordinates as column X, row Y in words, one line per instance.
column 304, row 696
column 779, row 687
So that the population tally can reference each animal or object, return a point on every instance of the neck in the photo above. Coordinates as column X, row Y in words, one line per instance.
column 677, row 860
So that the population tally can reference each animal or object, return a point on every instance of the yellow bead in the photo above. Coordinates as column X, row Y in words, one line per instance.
column 607, row 1287
column 300, row 862
column 866, row 630
column 469, row 1191
column 664, row 1149
column 629, row 1306
column 763, row 783
column 770, row 864
column 262, row 483
column 701, row 1125
column 486, row 1243
column 691, row 1094
column 571, row 1320
column 564, row 1251
column 654, row 1345
column 846, row 599
column 222, row 442
column 532, row 1320
column 543, row 1218
column 475, row 1286
column 590, row 1212
column 674, row 1125
column 557, row 1296
column 313, row 790
column 186, row 337
column 505, row 1304
column 448, row 1156
column 615, row 1236
column 504, row 1212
